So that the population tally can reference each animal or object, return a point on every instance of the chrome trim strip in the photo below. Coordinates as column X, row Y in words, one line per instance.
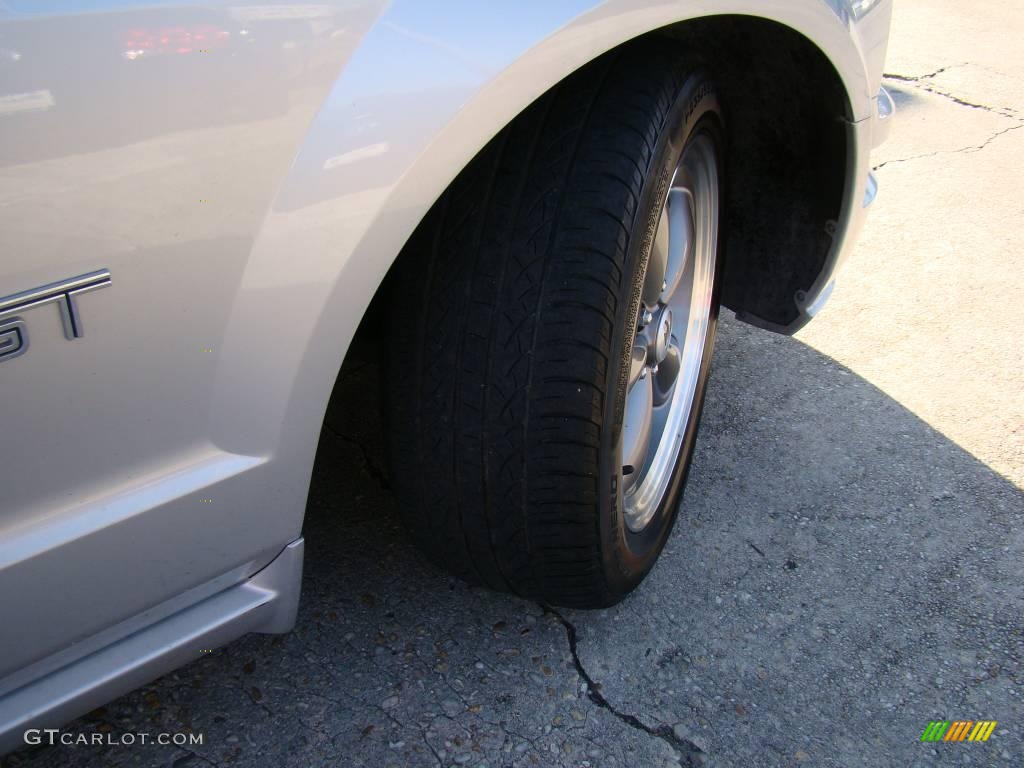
column 13, row 338
column 63, row 292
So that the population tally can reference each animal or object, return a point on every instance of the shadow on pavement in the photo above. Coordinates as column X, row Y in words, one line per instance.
column 841, row 575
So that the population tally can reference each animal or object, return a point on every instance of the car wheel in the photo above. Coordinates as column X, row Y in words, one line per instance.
column 554, row 320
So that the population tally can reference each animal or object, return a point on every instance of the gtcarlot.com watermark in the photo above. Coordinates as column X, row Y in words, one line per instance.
column 54, row 736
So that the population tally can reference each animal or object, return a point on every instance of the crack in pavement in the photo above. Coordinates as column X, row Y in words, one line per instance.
column 690, row 754
column 919, row 78
column 372, row 469
column 918, row 82
column 974, row 148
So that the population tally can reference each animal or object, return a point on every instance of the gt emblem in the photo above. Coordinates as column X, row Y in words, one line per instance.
column 13, row 332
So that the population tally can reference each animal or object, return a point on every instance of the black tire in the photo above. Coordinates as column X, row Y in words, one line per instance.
column 513, row 315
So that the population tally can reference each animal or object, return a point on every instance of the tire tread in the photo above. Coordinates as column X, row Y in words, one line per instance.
column 508, row 314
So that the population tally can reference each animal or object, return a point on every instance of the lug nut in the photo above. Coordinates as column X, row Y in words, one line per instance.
column 646, row 317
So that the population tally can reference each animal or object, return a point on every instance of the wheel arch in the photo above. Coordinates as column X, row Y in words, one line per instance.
column 379, row 154
column 792, row 117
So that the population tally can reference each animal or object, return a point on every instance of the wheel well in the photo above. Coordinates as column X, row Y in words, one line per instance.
column 787, row 116
column 786, row 112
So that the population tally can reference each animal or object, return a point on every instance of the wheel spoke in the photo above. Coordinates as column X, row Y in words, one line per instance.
column 636, row 430
column 668, row 372
column 680, row 236
column 636, row 365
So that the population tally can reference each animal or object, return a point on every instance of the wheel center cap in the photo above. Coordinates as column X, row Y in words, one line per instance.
column 663, row 336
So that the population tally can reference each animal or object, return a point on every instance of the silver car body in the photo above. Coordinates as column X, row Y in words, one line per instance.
column 234, row 181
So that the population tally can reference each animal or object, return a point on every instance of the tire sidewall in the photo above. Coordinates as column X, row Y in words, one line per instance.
column 628, row 556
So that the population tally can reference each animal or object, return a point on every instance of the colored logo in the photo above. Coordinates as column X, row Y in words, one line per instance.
column 958, row 730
